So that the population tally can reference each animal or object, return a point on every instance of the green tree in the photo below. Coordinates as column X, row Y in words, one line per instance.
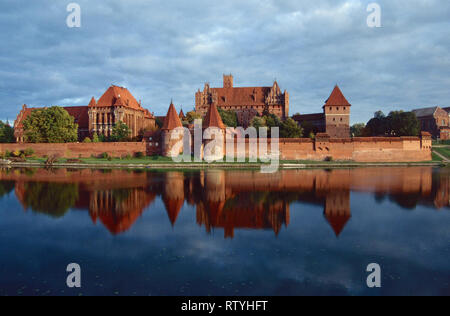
column 397, row 123
column 377, row 126
column 258, row 122
column 290, row 129
column 229, row 118
column 6, row 133
column 50, row 125
column 403, row 124
column 357, row 129
column 120, row 132
column 95, row 138
column 192, row 116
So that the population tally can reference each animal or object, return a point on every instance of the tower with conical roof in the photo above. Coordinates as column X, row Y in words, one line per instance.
column 171, row 133
column 214, row 148
column 337, row 115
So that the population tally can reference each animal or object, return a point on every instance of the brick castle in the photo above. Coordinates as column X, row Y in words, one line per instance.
column 332, row 126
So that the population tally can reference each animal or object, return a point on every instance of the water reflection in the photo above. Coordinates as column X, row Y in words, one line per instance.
column 229, row 200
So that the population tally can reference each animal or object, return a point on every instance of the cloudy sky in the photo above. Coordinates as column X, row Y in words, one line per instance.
column 163, row 49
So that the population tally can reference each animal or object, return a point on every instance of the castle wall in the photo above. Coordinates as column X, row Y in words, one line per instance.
column 77, row 150
column 366, row 149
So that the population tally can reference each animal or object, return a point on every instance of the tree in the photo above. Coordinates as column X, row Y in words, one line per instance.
column 192, row 116
column 258, row 122
column 229, row 118
column 6, row 133
column 95, row 138
column 403, row 124
column 357, row 129
column 50, row 125
column 272, row 120
column 290, row 129
column 378, row 126
column 120, row 132
column 397, row 123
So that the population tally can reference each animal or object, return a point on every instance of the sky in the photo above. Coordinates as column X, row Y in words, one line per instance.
column 162, row 50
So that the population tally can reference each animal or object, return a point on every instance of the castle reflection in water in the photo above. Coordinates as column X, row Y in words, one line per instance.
column 229, row 200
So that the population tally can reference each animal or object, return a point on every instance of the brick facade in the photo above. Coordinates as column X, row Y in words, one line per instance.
column 434, row 120
column 247, row 102
column 335, row 119
column 117, row 104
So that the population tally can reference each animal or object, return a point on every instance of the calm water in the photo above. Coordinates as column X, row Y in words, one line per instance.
column 225, row 232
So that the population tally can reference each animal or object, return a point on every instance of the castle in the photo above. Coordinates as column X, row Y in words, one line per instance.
column 117, row 104
column 247, row 102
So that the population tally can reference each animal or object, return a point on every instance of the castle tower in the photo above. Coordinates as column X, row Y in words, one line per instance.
column 214, row 123
column 169, row 133
column 228, row 81
column 337, row 115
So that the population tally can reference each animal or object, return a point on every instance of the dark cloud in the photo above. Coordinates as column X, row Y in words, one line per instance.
column 168, row 49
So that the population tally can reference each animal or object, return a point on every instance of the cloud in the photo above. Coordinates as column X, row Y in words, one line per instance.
column 168, row 49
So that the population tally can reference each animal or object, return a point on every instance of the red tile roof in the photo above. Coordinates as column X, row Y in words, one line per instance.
column 182, row 116
column 92, row 102
column 109, row 98
column 337, row 98
column 172, row 120
column 255, row 96
column 212, row 118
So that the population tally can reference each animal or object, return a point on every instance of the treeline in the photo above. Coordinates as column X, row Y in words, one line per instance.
column 397, row 123
column 6, row 133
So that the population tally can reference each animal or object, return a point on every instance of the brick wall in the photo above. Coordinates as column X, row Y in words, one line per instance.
column 367, row 149
column 75, row 150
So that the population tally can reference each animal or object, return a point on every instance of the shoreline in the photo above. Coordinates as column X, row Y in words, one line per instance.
column 197, row 166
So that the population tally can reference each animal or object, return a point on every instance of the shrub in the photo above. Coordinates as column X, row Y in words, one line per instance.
column 109, row 158
column 104, row 156
column 139, row 154
column 51, row 160
column 16, row 153
column 87, row 140
column 7, row 153
column 28, row 152
column 329, row 158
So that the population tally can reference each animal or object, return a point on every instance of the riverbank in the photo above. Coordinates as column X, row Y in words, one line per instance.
column 152, row 163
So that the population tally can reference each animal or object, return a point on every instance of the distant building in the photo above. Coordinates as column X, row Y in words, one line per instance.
column 247, row 102
column 335, row 119
column 435, row 121
column 116, row 104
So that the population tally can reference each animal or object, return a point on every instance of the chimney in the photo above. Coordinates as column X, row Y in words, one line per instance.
column 228, row 81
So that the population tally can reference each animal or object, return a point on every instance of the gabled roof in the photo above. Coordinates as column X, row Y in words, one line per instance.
column 172, row 120
column 425, row 111
column 212, row 118
column 109, row 98
column 337, row 98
